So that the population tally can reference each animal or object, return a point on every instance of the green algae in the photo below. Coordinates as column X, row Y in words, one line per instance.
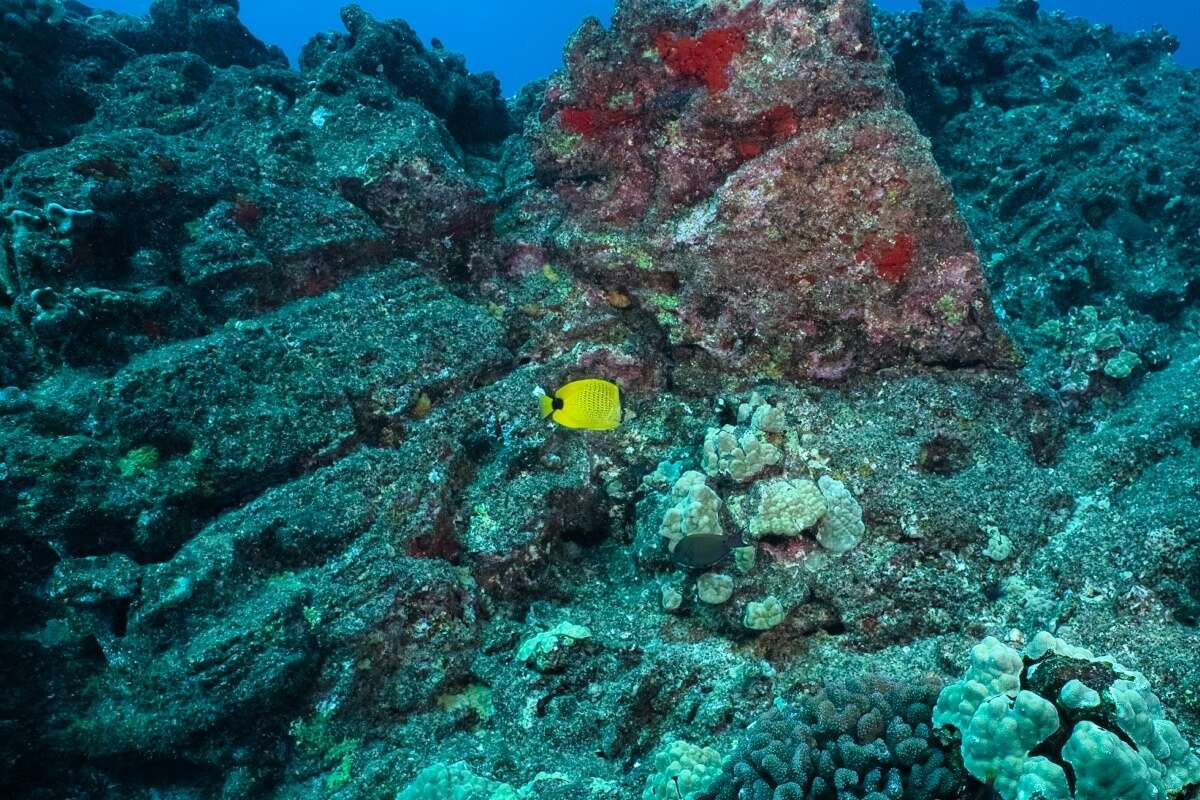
column 138, row 461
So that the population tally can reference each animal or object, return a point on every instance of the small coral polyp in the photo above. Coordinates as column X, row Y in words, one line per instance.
column 788, row 507
column 695, row 512
column 738, row 456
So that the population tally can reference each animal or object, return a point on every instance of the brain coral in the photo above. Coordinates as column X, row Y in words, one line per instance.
column 858, row 739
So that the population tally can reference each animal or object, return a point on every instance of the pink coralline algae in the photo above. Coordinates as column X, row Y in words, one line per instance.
column 756, row 168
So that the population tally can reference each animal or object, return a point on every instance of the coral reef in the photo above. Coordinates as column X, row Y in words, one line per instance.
column 1071, row 152
column 866, row 739
column 278, row 514
column 1008, row 705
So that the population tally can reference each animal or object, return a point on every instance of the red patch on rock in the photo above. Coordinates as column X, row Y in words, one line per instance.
column 100, row 168
column 781, row 123
column 773, row 126
column 245, row 213
column 591, row 122
column 439, row 541
column 316, row 284
column 891, row 259
column 749, row 148
column 783, row 192
column 704, row 57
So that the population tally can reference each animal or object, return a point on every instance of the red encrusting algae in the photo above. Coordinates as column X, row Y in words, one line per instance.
column 773, row 126
column 891, row 258
column 591, row 122
column 246, row 214
column 704, row 57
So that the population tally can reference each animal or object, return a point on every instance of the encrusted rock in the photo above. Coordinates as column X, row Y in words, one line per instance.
column 755, row 165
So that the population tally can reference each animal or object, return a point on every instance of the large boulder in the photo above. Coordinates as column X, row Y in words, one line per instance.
column 750, row 177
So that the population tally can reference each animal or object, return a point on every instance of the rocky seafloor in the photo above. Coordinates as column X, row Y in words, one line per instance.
column 906, row 305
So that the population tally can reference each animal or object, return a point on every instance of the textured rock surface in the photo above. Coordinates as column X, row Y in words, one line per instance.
column 277, row 514
column 1072, row 151
column 756, row 167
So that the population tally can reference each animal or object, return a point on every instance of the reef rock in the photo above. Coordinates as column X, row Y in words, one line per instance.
column 278, row 514
column 751, row 177
column 1072, row 152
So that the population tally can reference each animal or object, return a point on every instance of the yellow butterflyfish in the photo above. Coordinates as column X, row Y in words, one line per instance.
column 591, row 403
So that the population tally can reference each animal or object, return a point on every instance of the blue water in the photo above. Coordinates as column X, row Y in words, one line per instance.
column 521, row 40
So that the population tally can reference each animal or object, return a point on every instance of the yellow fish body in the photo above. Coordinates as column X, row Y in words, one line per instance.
column 591, row 403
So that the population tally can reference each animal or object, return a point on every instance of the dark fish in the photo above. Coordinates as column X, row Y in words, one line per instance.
column 702, row 550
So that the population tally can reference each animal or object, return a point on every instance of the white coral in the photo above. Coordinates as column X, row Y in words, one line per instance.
column 763, row 615
column 714, row 588
column 761, row 415
column 696, row 510
column 788, row 506
column 682, row 770
column 842, row 525
column 1002, row 726
column 738, row 457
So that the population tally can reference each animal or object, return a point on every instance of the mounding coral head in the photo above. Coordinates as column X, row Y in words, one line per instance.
column 1012, row 712
column 865, row 738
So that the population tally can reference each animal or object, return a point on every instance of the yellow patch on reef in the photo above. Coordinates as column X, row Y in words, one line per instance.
column 667, row 302
column 624, row 246
column 476, row 697
column 564, row 145
column 622, row 100
column 617, row 298
column 949, row 309
column 420, row 408
column 138, row 460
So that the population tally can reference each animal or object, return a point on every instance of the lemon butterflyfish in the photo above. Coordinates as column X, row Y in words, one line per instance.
column 591, row 404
